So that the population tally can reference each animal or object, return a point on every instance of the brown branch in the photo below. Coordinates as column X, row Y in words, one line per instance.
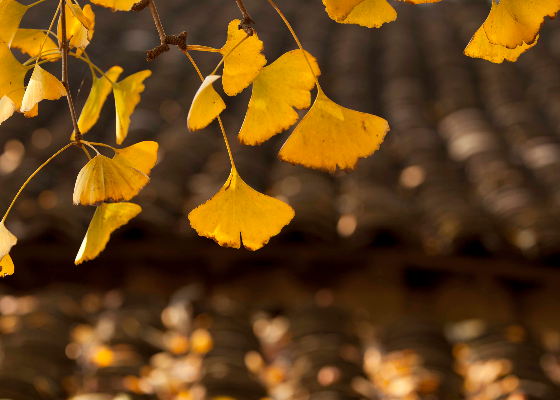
column 64, row 49
column 247, row 20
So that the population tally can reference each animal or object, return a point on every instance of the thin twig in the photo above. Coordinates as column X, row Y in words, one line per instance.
column 247, row 20
column 159, row 26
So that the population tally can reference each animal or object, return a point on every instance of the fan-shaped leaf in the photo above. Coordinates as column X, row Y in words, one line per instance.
column 371, row 14
column 7, row 240
column 480, row 47
column 141, row 156
column 41, row 86
column 7, row 108
column 6, row 266
column 127, row 96
column 340, row 9
column 29, row 41
column 206, row 106
column 11, row 13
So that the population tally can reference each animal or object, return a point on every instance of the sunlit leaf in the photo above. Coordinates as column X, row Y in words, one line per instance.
column 79, row 25
column 127, row 96
column 41, row 86
column 243, row 64
column 107, row 218
column 371, row 14
column 105, row 180
column 206, row 106
column 115, row 5
column 340, row 9
column 12, row 73
column 100, row 89
column 11, row 13
column 6, row 266
column 142, row 156
column 279, row 87
column 513, row 23
column 7, row 108
column 29, row 41
column 480, row 47
column 83, row 36
column 239, row 213
column 331, row 135
column 7, row 240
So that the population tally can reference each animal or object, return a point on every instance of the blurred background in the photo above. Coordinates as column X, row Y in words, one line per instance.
column 428, row 273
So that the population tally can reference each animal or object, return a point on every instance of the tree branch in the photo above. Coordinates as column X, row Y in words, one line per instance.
column 247, row 20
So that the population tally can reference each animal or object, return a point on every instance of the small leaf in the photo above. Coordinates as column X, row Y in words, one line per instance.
column 100, row 89
column 340, row 9
column 480, row 47
column 7, row 108
column 12, row 75
column 79, row 25
column 243, row 64
column 6, row 266
column 11, row 13
column 371, row 14
column 7, row 240
column 141, row 156
column 41, row 86
column 115, row 5
column 127, row 96
column 279, row 87
column 239, row 213
column 103, row 180
column 29, row 41
column 206, row 106
column 331, row 135
column 107, row 219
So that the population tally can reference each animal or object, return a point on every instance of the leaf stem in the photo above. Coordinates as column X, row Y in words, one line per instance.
column 196, row 47
column 91, row 64
column 85, row 151
column 46, row 53
column 32, row 175
column 34, row 4
column 228, row 53
column 101, row 144
column 48, row 30
column 89, row 145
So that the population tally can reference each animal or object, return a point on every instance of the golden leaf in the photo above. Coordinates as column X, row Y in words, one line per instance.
column 206, row 105
column 7, row 108
column 41, row 86
column 107, row 218
column 141, row 156
column 7, row 240
column 127, row 96
column 100, row 89
column 115, row 5
column 243, row 64
column 12, row 74
column 79, row 25
column 29, row 41
column 280, row 86
column 331, row 135
column 371, row 14
column 105, row 180
column 11, row 13
column 6, row 266
column 480, row 47
column 239, row 213
column 340, row 9
column 513, row 23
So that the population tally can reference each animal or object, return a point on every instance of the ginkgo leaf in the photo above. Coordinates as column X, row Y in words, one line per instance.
column 6, row 266
column 7, row 108
column 41, row 86
column 11, row 13
column 206, row 105
column 331, row 135
column 513, row 23
column 7, row 240
column 83, row 36
column 127, row 96
column 103, row 180
column 240, row 213
column 480, row 47
column 243, row 64
column 79, row 25
column 29, row 41
column 371, row 14
column 100, row 89
column 280, row 86
column 340, row 9
column 107, row 219
column 12, row 75
column 141, row 156
column 115, row 5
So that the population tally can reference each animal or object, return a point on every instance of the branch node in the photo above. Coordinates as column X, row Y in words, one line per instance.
column 245, row 25
column 151, row 55
column 179, row 41
column 140, row 5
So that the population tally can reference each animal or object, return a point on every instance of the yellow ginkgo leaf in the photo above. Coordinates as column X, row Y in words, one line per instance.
column 280, row 86
column 83, row 36
column 103, row 180
column 240, row 213
column 115, row 5
column 100, row 89
column 41, row 86
column 206, row 105
column 480, row 47
column 513, row 23
column 11, row 13
column 79, row 25
column 7, row 108
column 243, row 64
column 6, row 266
column 107, row 218
column 340, row 9
column 141, row 156
column 12, row 75
column 29, row 41
column 127, row 96
column 371, row 14
column 7, row 240
column 331, row 135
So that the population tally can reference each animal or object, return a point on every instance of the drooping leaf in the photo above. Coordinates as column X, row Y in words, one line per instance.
column 141, row 156
column 243, row 64
column 279, row 87
column 513, row 23
column 127, row 96
column 6, row 266
column 331, row 135
column 100, row 89
column 371, row 14
column 7, row 108
column 107, row 218
column 7, row 240
column 239, row 213
column 41, row 86
column 11, row 13
column 480, row 47
column 105, row 180
column 79, row 25
column 83, row 36
column 12, row 75
column 29, row 41
column 115, row 5
column 206, row 105
column 340, row 9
